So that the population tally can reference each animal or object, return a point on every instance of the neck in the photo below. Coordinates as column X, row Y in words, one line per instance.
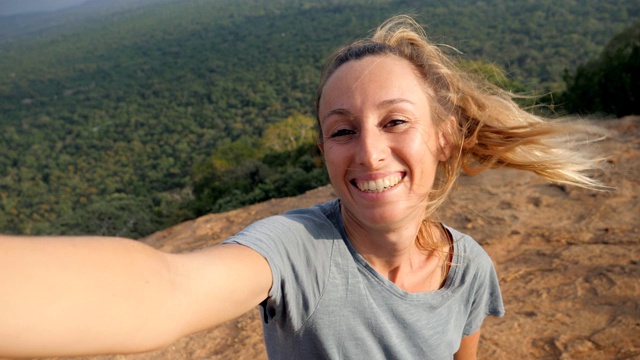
column 382, row 243
column 394, row 253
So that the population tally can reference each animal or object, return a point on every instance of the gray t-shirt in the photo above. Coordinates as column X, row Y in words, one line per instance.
column 327, row 302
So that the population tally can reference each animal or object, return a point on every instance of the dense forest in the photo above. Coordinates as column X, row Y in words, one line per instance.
column 121, row 117
column 610, row 83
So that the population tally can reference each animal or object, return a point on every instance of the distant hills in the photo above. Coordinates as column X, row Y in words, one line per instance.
column 14, row 7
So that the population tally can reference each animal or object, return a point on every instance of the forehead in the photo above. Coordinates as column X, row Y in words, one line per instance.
column 373, row 79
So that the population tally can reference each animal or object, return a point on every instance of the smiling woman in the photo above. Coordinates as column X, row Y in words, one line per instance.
column 377, row 128
column 371, row 274
column 397, row 122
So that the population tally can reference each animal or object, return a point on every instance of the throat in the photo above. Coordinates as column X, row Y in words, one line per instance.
column 430, row 275
column 428, row 271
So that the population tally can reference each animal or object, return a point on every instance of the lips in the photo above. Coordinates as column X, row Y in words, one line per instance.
column 378, row 185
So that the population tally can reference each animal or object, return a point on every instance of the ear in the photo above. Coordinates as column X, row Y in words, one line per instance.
column 321, row 147
column 444, row 138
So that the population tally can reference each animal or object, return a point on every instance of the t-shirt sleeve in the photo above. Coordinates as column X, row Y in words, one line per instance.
column 484, row 294
column 297, row 247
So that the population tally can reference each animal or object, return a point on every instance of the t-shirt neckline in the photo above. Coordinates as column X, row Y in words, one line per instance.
column 382, row 281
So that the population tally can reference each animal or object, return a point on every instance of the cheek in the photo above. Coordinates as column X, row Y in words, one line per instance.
column 332, row 160
column 421, row 147
column 421, row 154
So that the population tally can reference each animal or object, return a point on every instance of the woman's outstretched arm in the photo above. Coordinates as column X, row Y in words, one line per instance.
column 64, row 296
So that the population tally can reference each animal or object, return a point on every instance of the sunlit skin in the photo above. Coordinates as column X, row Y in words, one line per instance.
column 376, row 126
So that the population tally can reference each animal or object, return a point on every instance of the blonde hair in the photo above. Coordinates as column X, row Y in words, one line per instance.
column 491, row 130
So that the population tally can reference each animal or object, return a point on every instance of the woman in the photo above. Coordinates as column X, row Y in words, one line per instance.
column 369, row 275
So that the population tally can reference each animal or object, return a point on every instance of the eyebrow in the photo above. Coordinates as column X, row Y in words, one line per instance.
column 389, row 102
column 382, row 104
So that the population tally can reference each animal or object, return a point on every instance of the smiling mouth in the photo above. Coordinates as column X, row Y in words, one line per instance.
column 380, row 185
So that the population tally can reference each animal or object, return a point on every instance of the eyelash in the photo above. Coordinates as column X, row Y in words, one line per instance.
column 347, row 132
column 342, row 132
column 395, row 122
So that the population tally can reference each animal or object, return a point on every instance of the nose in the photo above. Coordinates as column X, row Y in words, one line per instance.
column 372, row 149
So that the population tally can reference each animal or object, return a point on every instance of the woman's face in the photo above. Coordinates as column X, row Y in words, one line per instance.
column 380, row 144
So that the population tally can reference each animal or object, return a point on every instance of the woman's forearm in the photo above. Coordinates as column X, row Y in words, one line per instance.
column 79, row 295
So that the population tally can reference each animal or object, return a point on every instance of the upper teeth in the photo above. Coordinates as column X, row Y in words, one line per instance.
column 380, row 184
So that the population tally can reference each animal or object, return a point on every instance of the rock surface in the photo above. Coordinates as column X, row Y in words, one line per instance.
column 567, row 259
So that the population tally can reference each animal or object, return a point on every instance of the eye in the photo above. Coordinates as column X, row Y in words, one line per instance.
column 395, row 122
column 342, row 132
